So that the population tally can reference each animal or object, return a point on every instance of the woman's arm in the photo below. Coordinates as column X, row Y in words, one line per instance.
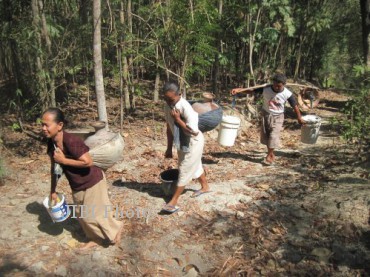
column 53, row 180
column 181, row 123
column 293, row 103
column 239, row 90
column 82, row 162
column 299, row 116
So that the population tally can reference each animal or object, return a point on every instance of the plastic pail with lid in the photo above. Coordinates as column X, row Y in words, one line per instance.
column 310, row 130
column 228, row 130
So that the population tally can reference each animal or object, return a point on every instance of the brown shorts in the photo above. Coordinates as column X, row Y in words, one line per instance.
column 271, row 127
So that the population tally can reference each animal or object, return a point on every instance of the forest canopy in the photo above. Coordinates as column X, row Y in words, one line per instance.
column 46, row 47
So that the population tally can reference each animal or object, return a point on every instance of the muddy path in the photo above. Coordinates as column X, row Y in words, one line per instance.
column 306, row 215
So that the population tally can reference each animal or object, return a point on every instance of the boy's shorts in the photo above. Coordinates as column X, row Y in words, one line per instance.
column 271, row 127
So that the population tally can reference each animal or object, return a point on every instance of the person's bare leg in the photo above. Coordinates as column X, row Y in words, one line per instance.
column 206, row 170
column 176, row 196
column 203, row 182
column 270, row 155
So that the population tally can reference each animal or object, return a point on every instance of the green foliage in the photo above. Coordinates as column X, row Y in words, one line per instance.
column 355, row 127
column 186, row 38
column 55, row 30
column 341, row 47
column 16, row 127
column 357, row 124
column 73, row 70
column 138, row 90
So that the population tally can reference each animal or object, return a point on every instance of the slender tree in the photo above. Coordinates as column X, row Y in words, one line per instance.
column 98, row 65
column 365, row 18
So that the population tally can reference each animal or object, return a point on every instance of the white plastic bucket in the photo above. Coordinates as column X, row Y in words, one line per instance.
column 310, row 130
column 58, row 212
column 228, row 130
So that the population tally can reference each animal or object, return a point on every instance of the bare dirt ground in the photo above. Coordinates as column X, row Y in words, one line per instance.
column 306, row 215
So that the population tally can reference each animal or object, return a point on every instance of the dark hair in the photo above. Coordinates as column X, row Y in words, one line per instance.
column 58, row 115
column 279, row 78
column 171, row 86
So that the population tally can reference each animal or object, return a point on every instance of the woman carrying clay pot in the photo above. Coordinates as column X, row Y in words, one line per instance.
column 88, row 184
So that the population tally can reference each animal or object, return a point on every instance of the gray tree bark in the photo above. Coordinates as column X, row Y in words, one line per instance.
column 365, row 16
column 157, row 79
column 98, row 65
column 42, row 87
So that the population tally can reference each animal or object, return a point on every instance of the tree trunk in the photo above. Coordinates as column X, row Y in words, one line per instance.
column 276, row 51
column 129, row 23
column 191, row 10
column 98, row 65
column 125, row 87
column 43, row 92
column 50, row 66
column 182, row 71
column 157, row 76
column 215, row 74
column 216, row 65
column 299, row 56
column 252, row 36
column 365, row 17
column 129, row 63
column 83, row 11
column 120, row 87
column 125, row 74
column 156, row 87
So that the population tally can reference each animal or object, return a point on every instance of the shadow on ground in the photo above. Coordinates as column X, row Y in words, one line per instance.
column 46, row 225
column 10, row 268
column 250, row 157
column 152, row 189
column 306, row 225
column 336, row 105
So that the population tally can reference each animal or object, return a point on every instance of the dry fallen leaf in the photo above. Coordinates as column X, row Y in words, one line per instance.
column 191, row 270
column 277, row 231
column 72, row 243
column 263, row 186
column 162, row 269
column 28, row 162
column 179, row 262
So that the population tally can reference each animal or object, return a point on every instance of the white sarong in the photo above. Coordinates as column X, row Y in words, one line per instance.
column 190, row 163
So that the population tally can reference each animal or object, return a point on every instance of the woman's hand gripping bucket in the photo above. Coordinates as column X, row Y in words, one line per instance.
column 58, row 210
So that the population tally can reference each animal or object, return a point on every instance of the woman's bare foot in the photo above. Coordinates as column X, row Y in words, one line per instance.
column 270, row 159
column 118, row 237
column 88, row 246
